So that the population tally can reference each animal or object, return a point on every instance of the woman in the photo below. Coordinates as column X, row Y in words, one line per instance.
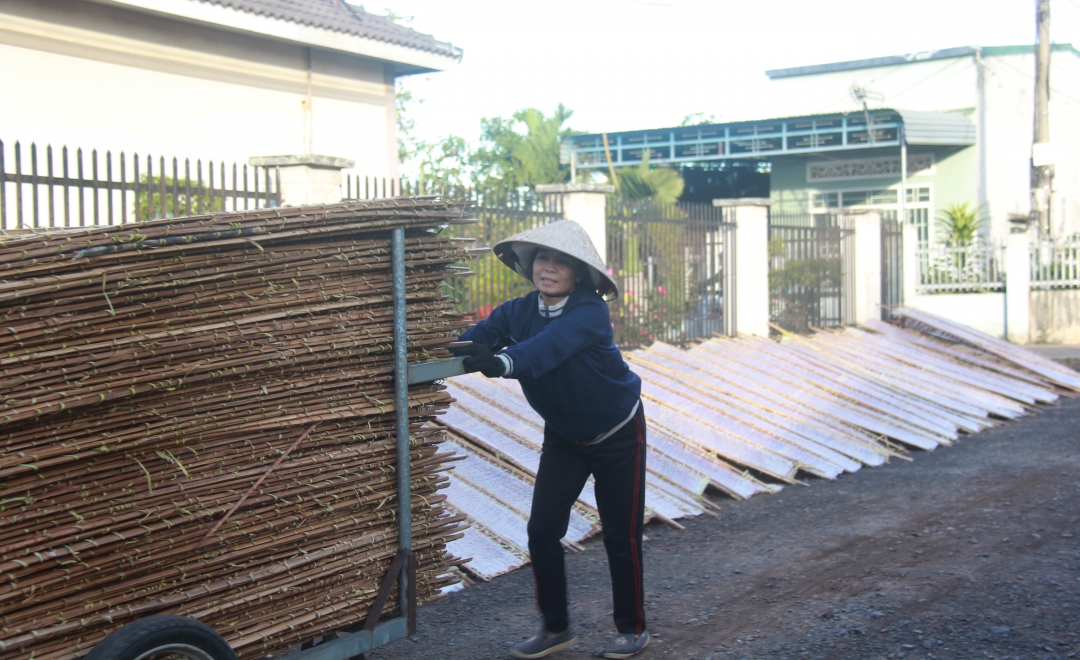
column 558, row 343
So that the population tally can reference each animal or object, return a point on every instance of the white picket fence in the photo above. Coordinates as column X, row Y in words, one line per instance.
column 969, row 268
column 979, row 267
column 1055, row 264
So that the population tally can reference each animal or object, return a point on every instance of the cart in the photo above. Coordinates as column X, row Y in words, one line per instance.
column 170, row 637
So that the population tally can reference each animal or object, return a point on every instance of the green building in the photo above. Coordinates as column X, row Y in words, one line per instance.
column 962, row 118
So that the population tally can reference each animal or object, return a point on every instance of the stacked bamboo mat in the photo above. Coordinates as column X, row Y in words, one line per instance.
column 746, row 416
column 154, row 374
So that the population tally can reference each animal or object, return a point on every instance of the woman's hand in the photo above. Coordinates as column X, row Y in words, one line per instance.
column 480, row 358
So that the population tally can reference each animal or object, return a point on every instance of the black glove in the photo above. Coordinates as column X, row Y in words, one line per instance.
column 480, row 358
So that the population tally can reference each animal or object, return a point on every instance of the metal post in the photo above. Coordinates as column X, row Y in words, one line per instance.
column 1042, row 172
column 401, row 406
column 902, row 206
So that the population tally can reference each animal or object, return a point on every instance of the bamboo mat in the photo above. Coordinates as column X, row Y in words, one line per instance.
column 746, row 416
column 153, row 373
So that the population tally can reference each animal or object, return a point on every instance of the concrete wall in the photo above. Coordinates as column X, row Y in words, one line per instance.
column 1065, row 131
column 93, row 76
column 946, row 84
column 1055, row 316
column 1007, row 137
column 982, row 311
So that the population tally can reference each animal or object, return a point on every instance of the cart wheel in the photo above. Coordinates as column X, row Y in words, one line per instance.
column 163, row 638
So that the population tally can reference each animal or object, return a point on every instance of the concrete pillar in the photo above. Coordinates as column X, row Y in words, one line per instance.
column 910, row 262
column 751, row 216
column 307, row 178
column 585, row 204
column 867, row 266
column 1018, row 286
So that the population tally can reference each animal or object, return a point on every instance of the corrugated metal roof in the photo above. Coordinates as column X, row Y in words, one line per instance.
column 340, row 16
column 924, row 56
column 937, row 128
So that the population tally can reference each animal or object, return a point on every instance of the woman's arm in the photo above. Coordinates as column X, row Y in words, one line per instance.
column 573, row 332
column 493, row 330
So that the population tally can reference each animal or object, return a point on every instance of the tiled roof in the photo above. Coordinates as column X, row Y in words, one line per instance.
column 340, row 16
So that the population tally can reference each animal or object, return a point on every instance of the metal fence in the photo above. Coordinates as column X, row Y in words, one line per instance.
column 42, row 188
column 1055, row 264
column 674, row 264
column 500, row 213
column 811, row 271
column 961, row 269
column 892, row 263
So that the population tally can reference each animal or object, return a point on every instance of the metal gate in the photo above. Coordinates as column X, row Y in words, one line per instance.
column 811, row 271
column 674, row 264
column 892, row 263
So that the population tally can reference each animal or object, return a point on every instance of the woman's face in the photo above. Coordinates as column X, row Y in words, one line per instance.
column 555, row 274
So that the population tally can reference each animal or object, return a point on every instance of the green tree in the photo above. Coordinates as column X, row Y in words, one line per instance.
column 523, row 150
column 958, row 224
column 697, row 119
column 149, row 200
column 643, row 182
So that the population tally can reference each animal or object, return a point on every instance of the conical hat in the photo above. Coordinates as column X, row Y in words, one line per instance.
column 567, row 237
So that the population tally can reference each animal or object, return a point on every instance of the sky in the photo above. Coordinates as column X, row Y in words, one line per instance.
column 633, row 64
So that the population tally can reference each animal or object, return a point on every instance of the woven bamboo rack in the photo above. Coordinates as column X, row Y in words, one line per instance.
column 209, row 416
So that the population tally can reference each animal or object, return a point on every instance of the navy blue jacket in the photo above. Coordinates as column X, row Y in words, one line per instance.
column 572, row 373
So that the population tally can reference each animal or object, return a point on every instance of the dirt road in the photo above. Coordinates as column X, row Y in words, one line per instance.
column 970, row 551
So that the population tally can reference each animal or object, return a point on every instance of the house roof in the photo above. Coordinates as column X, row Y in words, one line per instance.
column 340, row 16
column 330, row 24
column 892, row 60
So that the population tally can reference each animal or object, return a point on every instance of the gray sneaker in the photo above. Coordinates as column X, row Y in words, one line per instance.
column 543, row 643
column 625, row 645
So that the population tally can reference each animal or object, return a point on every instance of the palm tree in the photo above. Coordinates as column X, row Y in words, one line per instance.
column 958, row 224
column 655, row 184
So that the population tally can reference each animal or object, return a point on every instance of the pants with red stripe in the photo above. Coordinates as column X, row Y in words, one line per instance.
column 618, row 467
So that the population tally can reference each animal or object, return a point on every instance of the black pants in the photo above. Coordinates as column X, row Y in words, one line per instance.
column 618, row 468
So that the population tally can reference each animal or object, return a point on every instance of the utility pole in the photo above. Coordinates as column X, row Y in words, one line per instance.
column 1042, row 169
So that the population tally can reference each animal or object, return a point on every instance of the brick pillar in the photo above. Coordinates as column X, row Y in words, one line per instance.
column 307, row 178
column 751, row 217
column 585, row 204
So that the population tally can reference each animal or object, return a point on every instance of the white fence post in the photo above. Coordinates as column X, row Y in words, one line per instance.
column 307, row 178
column 585, row 204
column 1018, row 287
column 910, row 258
column 751, row 264
column 867, row 266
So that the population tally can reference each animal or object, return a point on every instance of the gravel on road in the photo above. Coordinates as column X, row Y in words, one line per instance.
column 969, row 551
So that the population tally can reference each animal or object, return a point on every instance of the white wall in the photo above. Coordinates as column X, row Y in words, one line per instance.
column 1055, row 316
column 1065, row 131
column 91, row 76
column 1009, row 133
column 947, row 84
column 982, row 311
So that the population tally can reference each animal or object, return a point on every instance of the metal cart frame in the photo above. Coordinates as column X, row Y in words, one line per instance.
column 353, row 641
